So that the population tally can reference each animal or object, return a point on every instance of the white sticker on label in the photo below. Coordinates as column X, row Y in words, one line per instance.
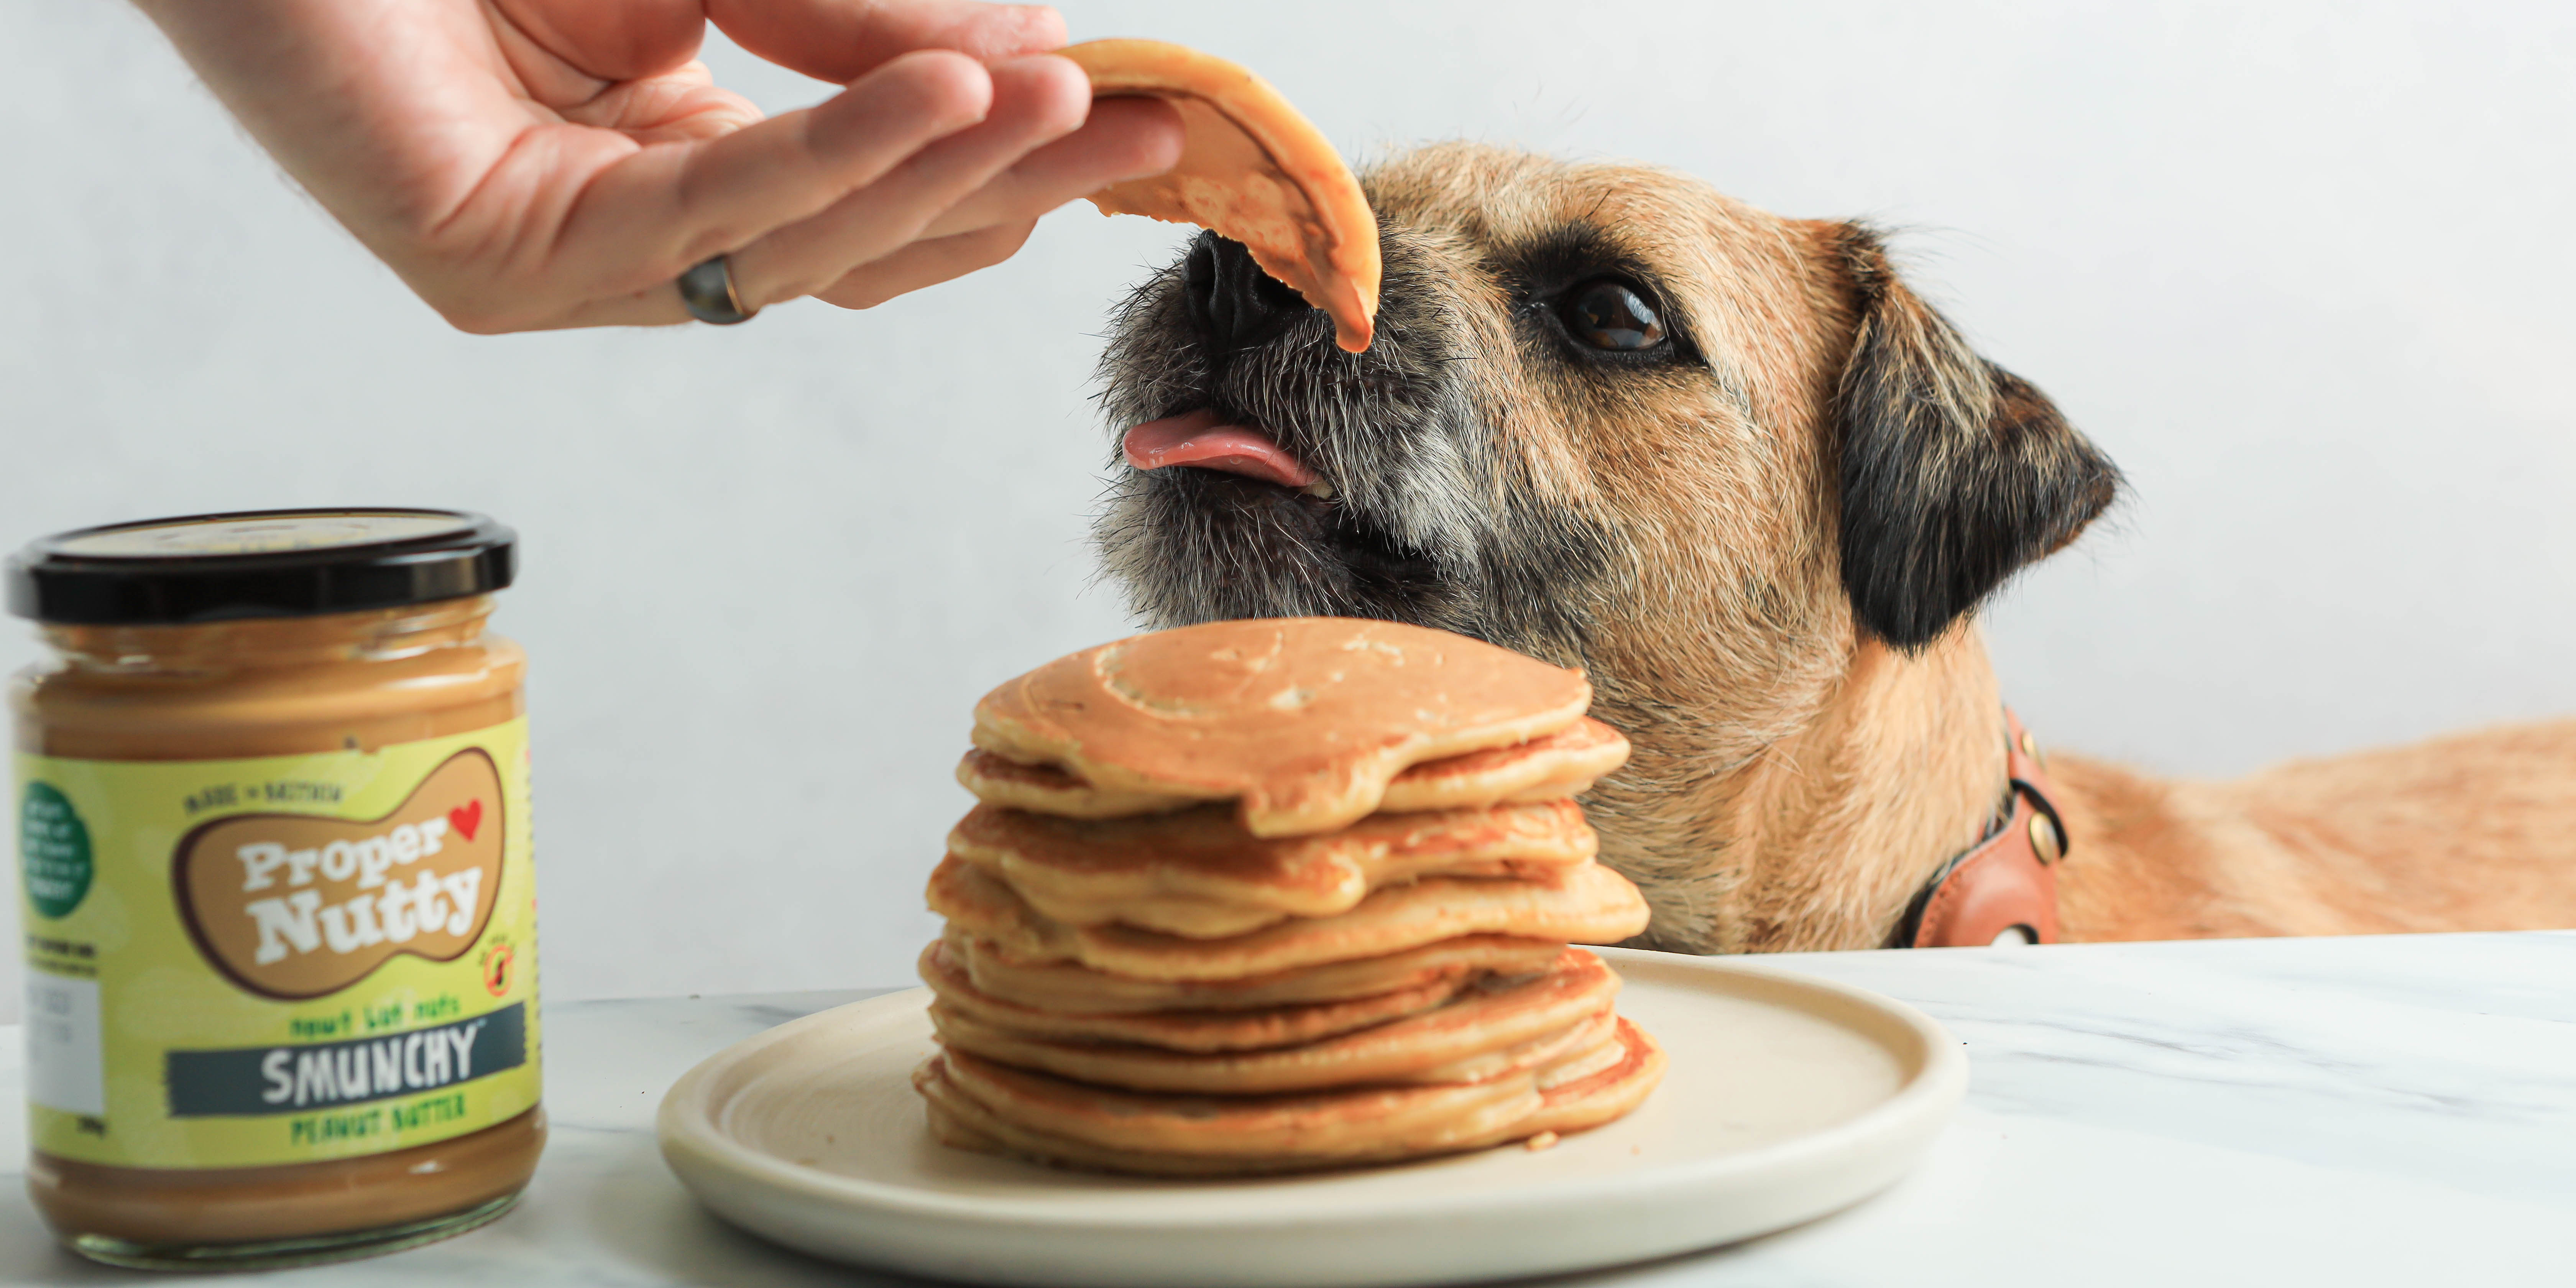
column 64, row 1070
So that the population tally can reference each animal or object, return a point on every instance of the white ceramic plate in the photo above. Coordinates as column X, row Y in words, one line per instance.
column 1788, row 1098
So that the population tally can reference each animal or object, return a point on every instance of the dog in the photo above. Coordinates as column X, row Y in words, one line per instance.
column 1731, row 465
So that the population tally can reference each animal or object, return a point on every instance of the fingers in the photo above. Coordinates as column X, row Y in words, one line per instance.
column 613, row 42
column 923, row 263
column 1125, row 138
column 838, row 40
column 740, row 187
column 873, row 239
column 927, row 263
column 840, row 199
column 1035, row 101
column 658, row 305
column 665, row 208
column 678, row 106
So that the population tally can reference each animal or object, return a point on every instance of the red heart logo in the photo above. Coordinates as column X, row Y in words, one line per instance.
column 465, row 818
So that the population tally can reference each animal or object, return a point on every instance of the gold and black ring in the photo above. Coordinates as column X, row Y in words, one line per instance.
column 707, row 290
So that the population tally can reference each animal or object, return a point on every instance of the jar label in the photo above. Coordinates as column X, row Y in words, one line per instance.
column 290, row 959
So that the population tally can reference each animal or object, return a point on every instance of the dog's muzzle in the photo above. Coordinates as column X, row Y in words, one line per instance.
column 1232, row 302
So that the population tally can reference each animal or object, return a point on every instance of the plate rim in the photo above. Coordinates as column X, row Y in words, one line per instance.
column 1934, row 1088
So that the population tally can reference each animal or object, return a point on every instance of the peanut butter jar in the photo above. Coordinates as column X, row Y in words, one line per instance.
column 280, row 924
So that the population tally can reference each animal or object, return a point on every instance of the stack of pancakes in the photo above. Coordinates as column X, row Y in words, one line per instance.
column 1273, row 895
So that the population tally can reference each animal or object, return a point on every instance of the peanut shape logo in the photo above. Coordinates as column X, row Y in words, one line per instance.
column 295, row 906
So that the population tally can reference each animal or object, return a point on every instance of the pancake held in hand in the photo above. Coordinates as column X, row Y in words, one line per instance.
column 1074, row 989
column 1252, row 169
column 977, row 1105
column 1198, row 873
column 1565, row 763
column 1589, row 904
column 1302, row 720
column 1200, row 1031
column 1484, row 1032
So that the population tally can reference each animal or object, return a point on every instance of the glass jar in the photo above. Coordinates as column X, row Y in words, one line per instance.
column 279, row 914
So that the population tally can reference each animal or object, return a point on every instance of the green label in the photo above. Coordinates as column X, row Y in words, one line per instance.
column 238, row 963
column 53, row 851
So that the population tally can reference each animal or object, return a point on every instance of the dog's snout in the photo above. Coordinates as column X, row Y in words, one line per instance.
column 1233, row 302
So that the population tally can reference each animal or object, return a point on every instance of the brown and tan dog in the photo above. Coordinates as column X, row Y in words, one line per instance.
column 1730, row 464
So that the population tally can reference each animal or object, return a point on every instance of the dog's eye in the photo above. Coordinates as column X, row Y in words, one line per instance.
column 1608, row 315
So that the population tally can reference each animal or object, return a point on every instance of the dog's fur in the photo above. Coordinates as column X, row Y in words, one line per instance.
column 1766, row 543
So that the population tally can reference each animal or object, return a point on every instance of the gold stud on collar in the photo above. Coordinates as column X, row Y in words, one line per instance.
column 2044, row 838
column 2029, row 745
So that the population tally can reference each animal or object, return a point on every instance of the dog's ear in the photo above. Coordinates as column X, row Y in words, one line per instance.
column 1954, row 471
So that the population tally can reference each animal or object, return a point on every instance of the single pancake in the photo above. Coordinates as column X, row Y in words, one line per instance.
column 1253, row 169
column 1256, row 1073
column 1200, row 1031
column 961, row 1121
column 1587, row 904
column 1620, row 1074
column 1075, row 989
column 1303, row 720
column 1052, row 789
column 1198, row 873
column 1361, row 1121
column 1484, row 1032
column 1586, row 1090
column 1602, row 1052
column 1565, row 763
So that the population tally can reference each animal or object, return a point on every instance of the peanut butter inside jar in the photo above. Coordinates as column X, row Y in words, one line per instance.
column 276, row 887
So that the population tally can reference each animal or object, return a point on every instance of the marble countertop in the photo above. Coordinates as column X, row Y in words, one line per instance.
column 2397, row 1110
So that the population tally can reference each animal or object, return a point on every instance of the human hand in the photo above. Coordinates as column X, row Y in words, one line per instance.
column 531, row 164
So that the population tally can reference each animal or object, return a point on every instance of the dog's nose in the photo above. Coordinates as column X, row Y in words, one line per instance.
column 1234, row 303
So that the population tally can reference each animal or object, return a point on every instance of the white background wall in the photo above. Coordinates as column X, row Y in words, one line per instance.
column 2304, row 269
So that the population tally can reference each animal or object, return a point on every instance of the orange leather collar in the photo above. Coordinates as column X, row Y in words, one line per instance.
column 2008, row 880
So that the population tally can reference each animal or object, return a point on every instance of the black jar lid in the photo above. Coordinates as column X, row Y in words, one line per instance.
column 261, row 563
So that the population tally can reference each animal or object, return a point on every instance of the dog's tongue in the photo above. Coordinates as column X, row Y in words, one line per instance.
column 1199, row 438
